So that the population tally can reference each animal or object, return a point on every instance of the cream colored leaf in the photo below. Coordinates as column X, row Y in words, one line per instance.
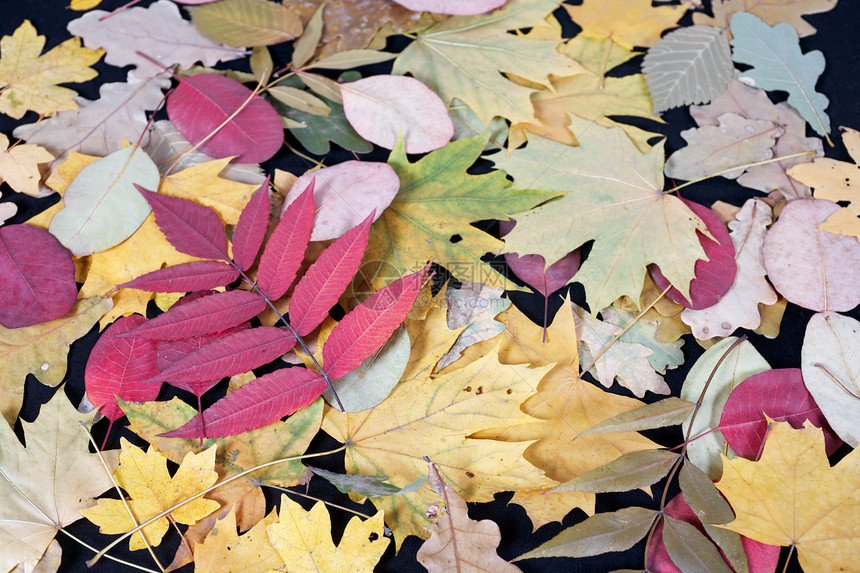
column 771, row 11
column 224, row 551
column 629, row 23
column 19, row 166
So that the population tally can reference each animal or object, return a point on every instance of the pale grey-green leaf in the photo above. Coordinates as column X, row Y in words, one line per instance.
column 689, row 65
column 299, row 99
column 368, row 486
column 667, row 412
column 352, row 59
column 689, row 549
column 664, row 356
column 246, row 22
column 306, row 45
column 468, row 124
column 630, row 471
column 702, row 497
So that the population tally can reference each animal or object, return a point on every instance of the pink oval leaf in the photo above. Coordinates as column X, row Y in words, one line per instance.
column 345, row 194
column 286, row 248
column 251, row 228
column 778, row 394
column 191, row 228
column 186, row 277
column 812, row 268
column 118, row 366
column 37, row 277
column 452, row 7
column 384, row 108
column 231, row 354
column 213, row 313
column 714, row 277
column 201, row 103
column 369, row 325
column 255, row 405
column 323, row 283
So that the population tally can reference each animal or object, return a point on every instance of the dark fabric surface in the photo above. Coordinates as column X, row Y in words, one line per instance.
column 836, row 38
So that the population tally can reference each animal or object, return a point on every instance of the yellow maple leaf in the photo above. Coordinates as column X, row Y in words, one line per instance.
column 792, row 496
column 772, row 12
column 223, row 550
column 836, row 181
column 629, row 23
column 81, row 5
column 303, row 539
column 151, row 490
column 28, row 80
column 19, row 166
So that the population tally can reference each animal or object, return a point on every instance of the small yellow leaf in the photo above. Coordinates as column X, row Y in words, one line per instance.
column 144, row 476
column 19, row 166
column 303, row 539
column 28, row 80
column 81, row 5
column 224, row 550
column 629, row 23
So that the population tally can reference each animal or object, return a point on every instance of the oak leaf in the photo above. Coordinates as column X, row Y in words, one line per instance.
column 69, row 476
column 629, row 23
column 619, row 203
column 303, row 540
column 29, row 78
column 42, row 350
column 19, row 166
column 458, row 542
column 836, row 181
column 464, row 57
column 151, row 489
column 792, row 496
column 472, row 307
column 771, row 11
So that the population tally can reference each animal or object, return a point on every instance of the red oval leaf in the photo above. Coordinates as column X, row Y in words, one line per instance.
column 201, row 103
column 191, row 228
column 37, row 277
column 212, row 313
column 228, row 355
column 369, row 325
column 186, row 277
column 285, row 249
column 256, row 404
column 251, row 228
column 118, row 367
column 714, row 276
column 320, row 287
column 782, row 396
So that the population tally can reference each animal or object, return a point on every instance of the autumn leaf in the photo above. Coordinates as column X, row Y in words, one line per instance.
column 223, row 550
column 463, row 57
column 303, row 540
column 629, row 23
column 458, row 542
column 792, row 496
column 246, row 22
column 151, row 489
column 437, row 200
column 69, row 476
column 771, row 11
column 19, row 166
column 619, row 203
column 29, row 78
column 42, row 350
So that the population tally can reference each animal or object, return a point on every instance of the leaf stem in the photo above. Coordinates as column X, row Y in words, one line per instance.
column 111, row 557
column 745, row 166
column 240, row 475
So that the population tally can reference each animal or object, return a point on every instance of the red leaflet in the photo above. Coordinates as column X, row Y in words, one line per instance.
column 256, row 404
column 37, row 277
column 228, row 355
column 761, row 558
column 202, row 103
column 186, row 277
column 323, row 283
column 172, row 351
column 713, row 277
column 212, row 313
column 369, row 325
column 117, row 367
column 285, row 249
column 251, row 228
column 190, row 227
column 782, row 396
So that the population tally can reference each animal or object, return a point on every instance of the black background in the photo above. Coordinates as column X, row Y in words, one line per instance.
column 836, row 38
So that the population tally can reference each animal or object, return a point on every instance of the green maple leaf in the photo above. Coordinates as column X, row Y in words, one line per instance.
column 437, row 200
column 614, row 197
column 465, row 56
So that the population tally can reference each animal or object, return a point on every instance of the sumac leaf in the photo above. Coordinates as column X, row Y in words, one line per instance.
column 172, row 351
column 37, row 277
column 369, row 325
column 778, row 394
column 228, row 355
column 117, row 367
column 201, row 103
column 251, row 228
column 256, row 404
column 186, row 277
column 190, row 227
column 323, row 283
column 714, row 276
column 285, row 249
column 212, row 313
